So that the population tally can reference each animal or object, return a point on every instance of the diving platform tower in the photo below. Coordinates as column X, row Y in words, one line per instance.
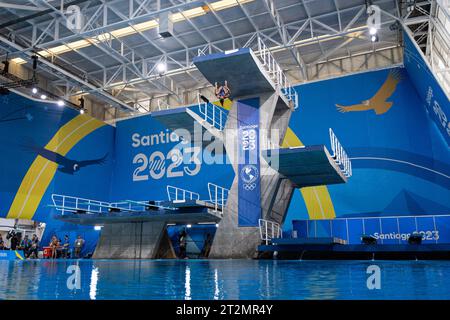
column 251, row 134
column 265, row 175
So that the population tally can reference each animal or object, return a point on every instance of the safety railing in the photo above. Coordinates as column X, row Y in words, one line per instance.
column 212, row 114
column 218, row 196
column 176, row 194
column 269, row 230
column 387, row 229
column 128, row 206
column 65, row 204
column 276, row 73
column 340, row 156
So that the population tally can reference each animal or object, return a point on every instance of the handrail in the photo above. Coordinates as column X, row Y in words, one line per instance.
column 64, row 204
column 276, row 73
column 218, row 196
column 176, row 194
column 212, row 114
column 339, row 156
column 269, row 230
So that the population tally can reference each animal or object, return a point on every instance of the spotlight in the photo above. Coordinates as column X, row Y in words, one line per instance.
column 82, row 111
column 97, row 228
column 161, row 67
column 81, row 100
column 43, row 96
column 374, row 38
column 217, row 225
column 60, row 103
column 373, row 31
column 189, row 226
column 34, row 90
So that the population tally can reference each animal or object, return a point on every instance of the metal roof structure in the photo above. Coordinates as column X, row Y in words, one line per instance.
column 116, row 53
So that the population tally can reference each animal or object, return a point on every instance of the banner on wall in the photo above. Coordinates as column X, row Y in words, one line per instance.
column 249, row 188
column 433, row 96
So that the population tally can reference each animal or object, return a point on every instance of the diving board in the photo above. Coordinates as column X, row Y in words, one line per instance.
column 306, row 166
column 247, row 74
column 241, row 68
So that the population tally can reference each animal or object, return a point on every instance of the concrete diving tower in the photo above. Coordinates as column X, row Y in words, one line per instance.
column 251, row 76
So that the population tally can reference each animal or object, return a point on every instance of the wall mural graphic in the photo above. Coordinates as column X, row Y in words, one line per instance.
column 400, row 162
column 66, row 165
column 378, row 103
column 401, row 166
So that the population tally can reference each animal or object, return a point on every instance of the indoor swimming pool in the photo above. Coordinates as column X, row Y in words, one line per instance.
column 221, row 279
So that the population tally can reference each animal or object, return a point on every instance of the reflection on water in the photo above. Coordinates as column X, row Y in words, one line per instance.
column 223, row 279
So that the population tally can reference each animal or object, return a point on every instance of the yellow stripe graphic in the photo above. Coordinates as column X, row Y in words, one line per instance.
column 41, row 172
column 18, row 255
column 317, row 199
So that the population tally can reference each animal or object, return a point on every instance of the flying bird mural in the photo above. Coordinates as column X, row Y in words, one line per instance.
column 66, row 165
column 378, row 103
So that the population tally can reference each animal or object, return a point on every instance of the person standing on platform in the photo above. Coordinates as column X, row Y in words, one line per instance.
column 79, row 243
column 54, row 245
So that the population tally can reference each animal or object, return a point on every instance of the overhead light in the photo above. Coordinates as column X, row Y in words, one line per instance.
column 136, row 28
column 98, row 228
column 373, row 31
column 61, row 103
column 189, row 226
column 217, row 225
column 82, row 111
column 161, row 67
column 43, row 96
column 34, row 90
column 374, row 38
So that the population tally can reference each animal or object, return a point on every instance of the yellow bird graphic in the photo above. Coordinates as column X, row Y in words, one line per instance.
column 378, row 102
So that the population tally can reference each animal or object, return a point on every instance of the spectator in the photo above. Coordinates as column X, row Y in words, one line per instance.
column 66, row 247
column 2, row 243
column 79, row 243
column 34, row 250
column 25, row 245
column 54, row 245
column 182, row 242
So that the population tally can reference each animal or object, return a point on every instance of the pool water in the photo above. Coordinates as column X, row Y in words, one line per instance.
column 221, row 279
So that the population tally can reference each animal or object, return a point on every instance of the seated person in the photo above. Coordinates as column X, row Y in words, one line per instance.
column 2, row 243
column 33, row 252
column 222, row 92
column 25, row 245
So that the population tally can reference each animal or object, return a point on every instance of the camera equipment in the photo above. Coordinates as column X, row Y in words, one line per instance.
column 415, row 238
column 366, row 239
